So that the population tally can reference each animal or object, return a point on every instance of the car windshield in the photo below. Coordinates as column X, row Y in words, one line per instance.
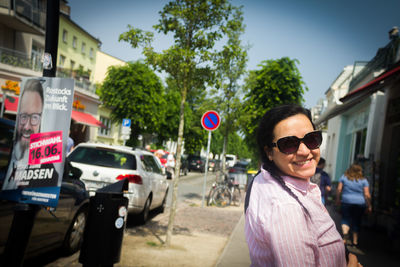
column 103, row 157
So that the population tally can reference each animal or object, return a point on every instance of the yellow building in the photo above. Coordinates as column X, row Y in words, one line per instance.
column 111, row 134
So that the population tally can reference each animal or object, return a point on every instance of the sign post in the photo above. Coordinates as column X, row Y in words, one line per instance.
column 126, row 129
column 210, row 121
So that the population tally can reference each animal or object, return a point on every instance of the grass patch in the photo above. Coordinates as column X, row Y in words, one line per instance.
column 152, row 244
column 193, row 205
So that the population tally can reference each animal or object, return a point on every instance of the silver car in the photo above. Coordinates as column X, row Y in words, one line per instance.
column 104, row 164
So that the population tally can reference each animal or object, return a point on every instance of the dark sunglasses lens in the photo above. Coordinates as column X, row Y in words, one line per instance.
column 288, row 144
column 313, row 140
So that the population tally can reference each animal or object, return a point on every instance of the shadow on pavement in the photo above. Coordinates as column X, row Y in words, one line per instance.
column 374, row 247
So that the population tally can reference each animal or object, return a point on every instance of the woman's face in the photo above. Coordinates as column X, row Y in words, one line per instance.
column 303, row 162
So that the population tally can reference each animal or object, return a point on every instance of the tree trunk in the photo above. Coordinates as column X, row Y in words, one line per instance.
column 177, row 170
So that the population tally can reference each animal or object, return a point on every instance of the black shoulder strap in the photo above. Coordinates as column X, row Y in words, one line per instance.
column 248, row 192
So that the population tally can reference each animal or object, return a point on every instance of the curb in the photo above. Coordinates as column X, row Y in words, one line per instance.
column 229, row 242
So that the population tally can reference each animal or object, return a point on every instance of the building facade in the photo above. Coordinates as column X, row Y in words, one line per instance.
column 76, row 58
column 22, row 31
column 366, row 124
column 112, row 134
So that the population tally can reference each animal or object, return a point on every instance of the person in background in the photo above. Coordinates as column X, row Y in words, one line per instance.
column 171, row 164
column 70, row 144
column 323, row 180
column 353, row 189
column 286, row 223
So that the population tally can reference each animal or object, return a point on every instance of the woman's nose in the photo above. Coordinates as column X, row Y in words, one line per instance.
column 303, row 149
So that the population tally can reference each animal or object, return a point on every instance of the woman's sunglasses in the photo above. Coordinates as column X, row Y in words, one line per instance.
column 290, row 144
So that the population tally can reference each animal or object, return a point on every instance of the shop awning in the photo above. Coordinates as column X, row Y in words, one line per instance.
column 373, row 85
column 10, row 104
column 86, row 119
column 360, row 94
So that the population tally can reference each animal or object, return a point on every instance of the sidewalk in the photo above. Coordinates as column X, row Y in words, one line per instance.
column 373, row 250
column 236, row 252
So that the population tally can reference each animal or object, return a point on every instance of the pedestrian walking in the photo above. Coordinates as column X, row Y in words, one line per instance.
column 354, row 199
column 286, row 222
column 171, row 164
column 70, row 144
column 322, row 179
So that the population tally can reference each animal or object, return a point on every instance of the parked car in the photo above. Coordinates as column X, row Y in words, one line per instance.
column 60, row 228
column 104, row 164
column 184, row 165
column 238, row 173
column 214, row 165
column 196, row 163
column 230, row 160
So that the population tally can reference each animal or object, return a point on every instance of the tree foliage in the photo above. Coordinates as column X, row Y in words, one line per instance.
column 230, row 66
column 134, row 91
column 276, row 82
column 196, row 26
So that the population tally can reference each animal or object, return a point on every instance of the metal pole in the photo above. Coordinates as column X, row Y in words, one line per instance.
column 206, row 170
column 51, row 44
column 3, row 104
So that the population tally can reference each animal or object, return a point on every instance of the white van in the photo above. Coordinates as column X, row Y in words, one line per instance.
column 230, row 160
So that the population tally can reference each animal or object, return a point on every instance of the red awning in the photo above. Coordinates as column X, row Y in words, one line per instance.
column 86, row 119
column 360, row 94
column 11, row 104
column 369, row 86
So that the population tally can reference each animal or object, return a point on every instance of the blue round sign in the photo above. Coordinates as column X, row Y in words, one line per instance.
column 210, row 120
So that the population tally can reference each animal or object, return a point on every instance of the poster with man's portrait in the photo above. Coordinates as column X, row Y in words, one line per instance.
column 43, row 119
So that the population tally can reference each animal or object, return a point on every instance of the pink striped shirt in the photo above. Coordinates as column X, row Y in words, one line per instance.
column 280, row 233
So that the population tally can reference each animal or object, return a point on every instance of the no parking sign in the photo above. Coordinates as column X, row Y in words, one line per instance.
column 210, row 120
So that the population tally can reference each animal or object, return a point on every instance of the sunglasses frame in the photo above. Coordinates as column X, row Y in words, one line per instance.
column 300, row 140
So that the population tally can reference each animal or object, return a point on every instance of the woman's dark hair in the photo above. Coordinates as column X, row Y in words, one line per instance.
column 265, row 137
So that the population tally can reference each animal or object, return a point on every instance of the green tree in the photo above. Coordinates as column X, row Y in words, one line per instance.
column 230, row 66
column 134, row 91
column 196, row 27
column 276, row 82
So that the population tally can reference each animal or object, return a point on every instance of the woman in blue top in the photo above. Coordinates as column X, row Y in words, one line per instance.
column 355, row 199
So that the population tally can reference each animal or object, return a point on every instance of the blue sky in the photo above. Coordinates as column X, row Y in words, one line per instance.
column 323, row 35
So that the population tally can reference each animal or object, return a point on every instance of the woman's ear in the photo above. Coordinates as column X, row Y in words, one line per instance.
column 268, row 152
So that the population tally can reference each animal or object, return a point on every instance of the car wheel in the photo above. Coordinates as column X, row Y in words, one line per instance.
column 161, row 209
column 73, row 239
column 144, row 215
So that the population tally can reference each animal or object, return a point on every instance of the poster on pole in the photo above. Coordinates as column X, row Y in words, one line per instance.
column 36, row 166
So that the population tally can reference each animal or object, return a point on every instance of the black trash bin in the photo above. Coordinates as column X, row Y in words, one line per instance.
column 104, row 230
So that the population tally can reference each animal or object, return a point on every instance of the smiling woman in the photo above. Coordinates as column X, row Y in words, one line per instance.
column 286, row 222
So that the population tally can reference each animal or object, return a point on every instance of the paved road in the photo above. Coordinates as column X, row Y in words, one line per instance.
column 191, row 186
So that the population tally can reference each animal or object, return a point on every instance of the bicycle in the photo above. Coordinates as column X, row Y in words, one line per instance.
column 218, row 182
column 225, row 193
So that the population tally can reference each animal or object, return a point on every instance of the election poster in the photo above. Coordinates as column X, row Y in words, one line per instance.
column 41, row 132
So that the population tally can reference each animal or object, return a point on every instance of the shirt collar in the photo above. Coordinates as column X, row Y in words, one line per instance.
column 300, row 185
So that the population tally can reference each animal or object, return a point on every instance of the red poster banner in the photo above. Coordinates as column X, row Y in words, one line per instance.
column 45, row 148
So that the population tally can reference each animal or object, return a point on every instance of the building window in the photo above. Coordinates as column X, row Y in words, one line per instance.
column 83, row 48
column 91, row 53
column 72, row 63
column 74, row 42
column 359, row 146
column 107, row 123
column 61, row 61
column 65, row 36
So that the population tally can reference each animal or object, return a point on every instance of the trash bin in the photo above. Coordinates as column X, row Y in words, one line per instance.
column 104, row 230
